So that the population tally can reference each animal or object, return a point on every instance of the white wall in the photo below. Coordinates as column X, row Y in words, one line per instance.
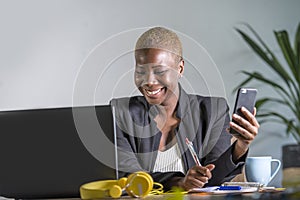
column 71, row 52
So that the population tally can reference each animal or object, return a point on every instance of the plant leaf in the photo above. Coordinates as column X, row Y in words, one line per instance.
column 258, row 76
column 284, row 43
column 261, row 102
column 255, row 47
column 297, row 48
column 268, row 57
column 297, row 53
column 288, row 53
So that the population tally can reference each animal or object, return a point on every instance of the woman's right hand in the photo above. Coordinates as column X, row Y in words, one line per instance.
column 197, row 177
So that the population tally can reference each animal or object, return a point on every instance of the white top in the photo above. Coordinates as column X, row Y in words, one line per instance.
column 169, row 160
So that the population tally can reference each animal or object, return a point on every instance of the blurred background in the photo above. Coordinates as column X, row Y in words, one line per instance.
column 57, row 53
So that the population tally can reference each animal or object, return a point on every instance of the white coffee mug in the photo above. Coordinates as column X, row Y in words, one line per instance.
column 259, row 169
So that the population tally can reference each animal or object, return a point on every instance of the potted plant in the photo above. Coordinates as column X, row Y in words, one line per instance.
column 287, row 90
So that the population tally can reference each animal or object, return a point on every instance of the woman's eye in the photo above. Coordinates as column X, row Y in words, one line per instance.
column 160, row 72
column 140, row 72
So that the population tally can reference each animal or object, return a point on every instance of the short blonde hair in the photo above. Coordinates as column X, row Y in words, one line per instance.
column 160, row 38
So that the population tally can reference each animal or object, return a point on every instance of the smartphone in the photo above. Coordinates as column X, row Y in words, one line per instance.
column 246, row 97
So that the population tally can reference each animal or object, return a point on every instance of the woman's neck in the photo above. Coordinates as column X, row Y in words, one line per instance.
column 166, row 111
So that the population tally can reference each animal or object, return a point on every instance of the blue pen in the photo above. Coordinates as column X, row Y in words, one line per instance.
column 230, row 187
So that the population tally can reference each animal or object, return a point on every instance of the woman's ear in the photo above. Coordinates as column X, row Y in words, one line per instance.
column 181, row 67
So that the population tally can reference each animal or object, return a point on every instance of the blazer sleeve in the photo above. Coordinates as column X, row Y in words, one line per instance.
column 127, row 160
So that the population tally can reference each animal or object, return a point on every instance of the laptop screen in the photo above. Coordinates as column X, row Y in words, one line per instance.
column 49, row 153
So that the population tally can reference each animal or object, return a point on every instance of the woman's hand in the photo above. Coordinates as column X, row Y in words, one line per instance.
column 197, row 177
column 248, row 129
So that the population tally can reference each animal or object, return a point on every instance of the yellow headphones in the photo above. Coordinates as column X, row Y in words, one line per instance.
column 138, row 184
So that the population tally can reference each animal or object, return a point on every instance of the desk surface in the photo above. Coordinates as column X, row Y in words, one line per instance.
column 201, row 196
column 205, row 196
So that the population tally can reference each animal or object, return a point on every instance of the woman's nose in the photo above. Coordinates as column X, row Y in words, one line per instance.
column 150, row 78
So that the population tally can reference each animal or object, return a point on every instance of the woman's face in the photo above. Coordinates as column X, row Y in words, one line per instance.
column 156, row 75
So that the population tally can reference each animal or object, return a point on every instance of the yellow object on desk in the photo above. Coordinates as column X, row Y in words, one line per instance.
column 99, row 189
column 138, row 184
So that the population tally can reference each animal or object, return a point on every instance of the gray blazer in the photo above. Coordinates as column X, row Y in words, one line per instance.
column 203, row 120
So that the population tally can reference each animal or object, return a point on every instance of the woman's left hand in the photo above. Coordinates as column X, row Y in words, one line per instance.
column 247, row 129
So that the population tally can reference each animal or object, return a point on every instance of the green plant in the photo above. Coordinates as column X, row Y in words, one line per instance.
column 288, row 88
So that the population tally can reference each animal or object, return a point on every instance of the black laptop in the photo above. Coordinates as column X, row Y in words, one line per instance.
column 50, row 153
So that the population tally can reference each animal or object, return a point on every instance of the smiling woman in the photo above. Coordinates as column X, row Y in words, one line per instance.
column 152, row 128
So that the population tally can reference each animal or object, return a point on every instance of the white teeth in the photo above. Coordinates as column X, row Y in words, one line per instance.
column 153, row 92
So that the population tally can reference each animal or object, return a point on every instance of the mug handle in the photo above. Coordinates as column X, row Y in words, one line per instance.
column 277, row 169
